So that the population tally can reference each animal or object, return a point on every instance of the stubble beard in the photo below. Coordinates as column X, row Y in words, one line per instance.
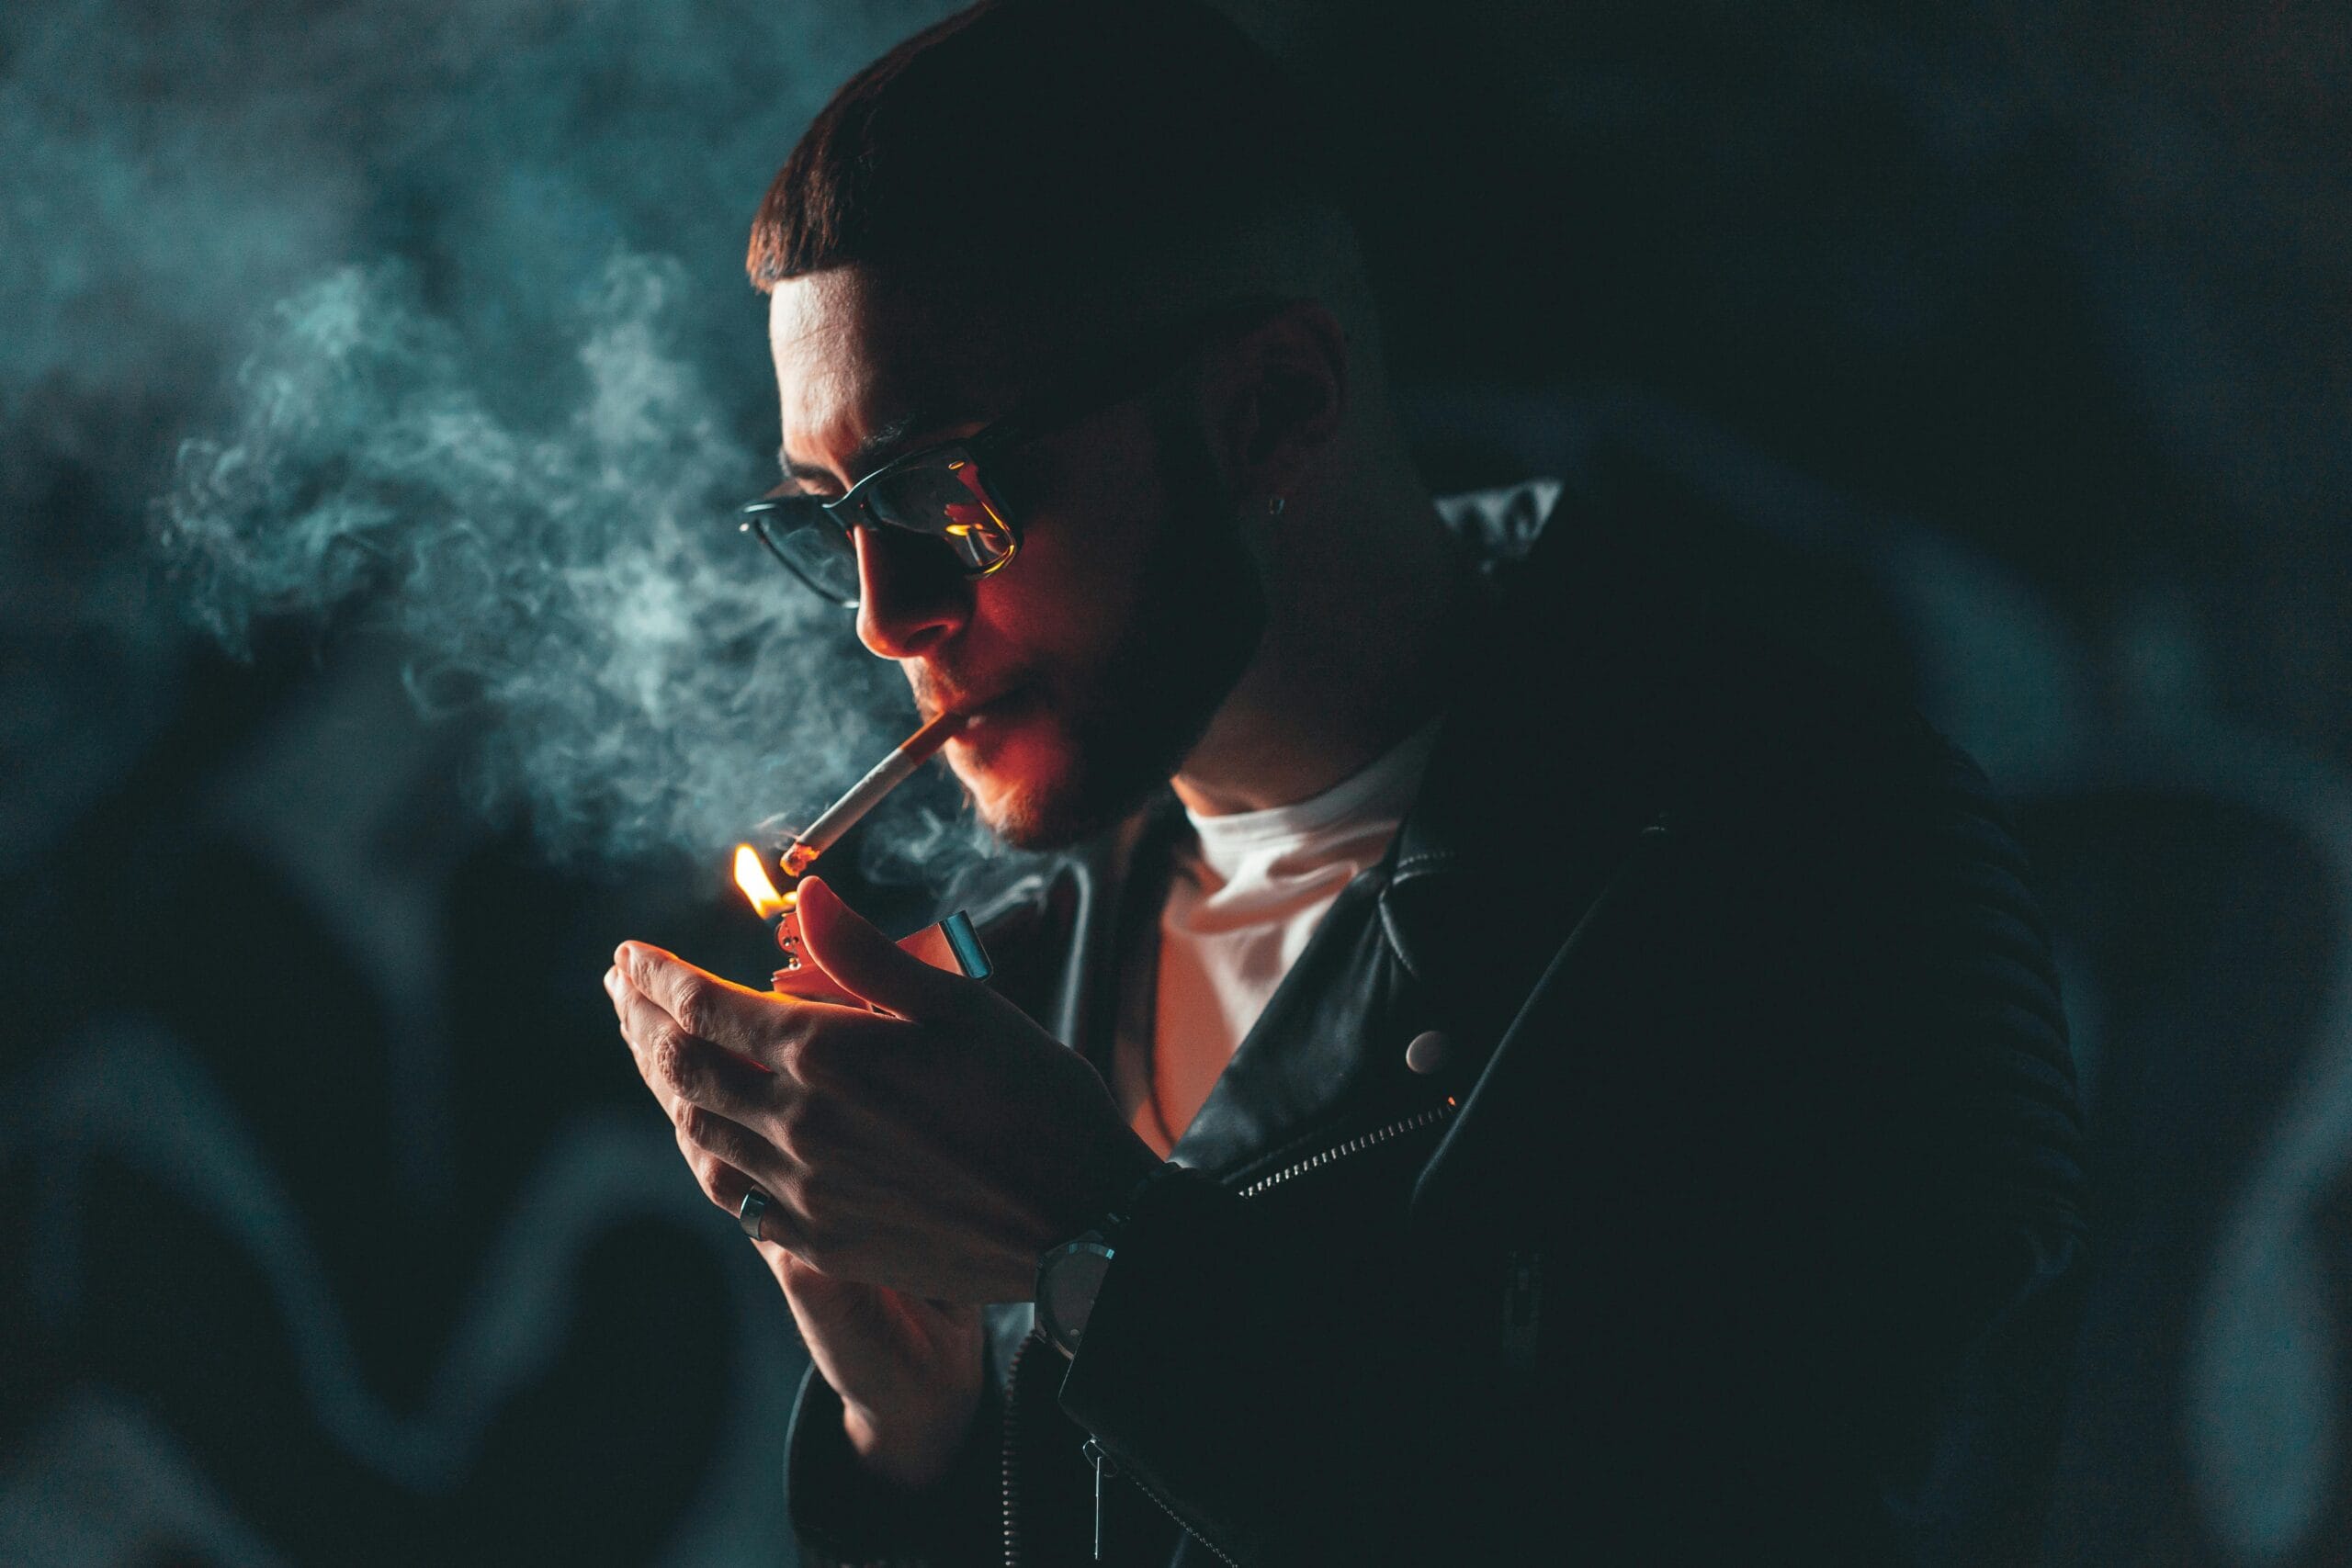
column 1199, row 615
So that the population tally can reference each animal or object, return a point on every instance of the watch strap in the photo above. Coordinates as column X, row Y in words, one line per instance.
column 1109, row 1226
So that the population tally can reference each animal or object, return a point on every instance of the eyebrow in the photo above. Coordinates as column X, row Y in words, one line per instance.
column 869, row 455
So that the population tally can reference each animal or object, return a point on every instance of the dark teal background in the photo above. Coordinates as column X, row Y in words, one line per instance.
column 1999, row 349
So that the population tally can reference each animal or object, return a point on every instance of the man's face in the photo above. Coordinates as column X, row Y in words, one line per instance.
column 1096, row 658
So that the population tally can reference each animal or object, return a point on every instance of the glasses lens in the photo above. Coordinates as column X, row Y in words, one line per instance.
column 936, row 516
column 947, row 501
column 801, row 534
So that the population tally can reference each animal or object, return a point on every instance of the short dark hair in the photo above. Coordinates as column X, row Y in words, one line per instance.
column 1038, row 138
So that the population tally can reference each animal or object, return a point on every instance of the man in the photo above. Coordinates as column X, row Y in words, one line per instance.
column 1619, row 1102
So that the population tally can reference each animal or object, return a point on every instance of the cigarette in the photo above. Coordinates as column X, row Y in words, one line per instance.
column 866, row 793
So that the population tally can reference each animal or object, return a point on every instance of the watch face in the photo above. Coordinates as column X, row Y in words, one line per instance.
column 1066, row 1297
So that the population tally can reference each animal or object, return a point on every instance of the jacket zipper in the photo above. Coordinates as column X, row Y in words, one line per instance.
column 1037, row 1336
column 1104, row 1468
column 1522, row 1294
column 1354, row 1145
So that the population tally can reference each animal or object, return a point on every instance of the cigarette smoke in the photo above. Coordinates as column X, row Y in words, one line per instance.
column 447, row 303
column 650, row 678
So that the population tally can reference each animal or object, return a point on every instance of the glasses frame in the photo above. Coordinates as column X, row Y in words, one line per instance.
column 1130, row 375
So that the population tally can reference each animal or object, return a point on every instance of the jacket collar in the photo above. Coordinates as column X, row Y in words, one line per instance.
column 1329, row 1049
column 1549, row 761
column 1565, row 740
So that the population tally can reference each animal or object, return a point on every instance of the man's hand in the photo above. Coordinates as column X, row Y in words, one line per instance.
column 936, row 1152
column 907, row 1369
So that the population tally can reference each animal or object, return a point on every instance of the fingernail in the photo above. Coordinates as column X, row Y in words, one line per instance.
column 611, row 982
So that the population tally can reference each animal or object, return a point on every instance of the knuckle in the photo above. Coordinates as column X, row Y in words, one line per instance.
column 820, row 1062
column 795, row 1120
column 795, row 1052
column 675, row 1060
column 691, row 1006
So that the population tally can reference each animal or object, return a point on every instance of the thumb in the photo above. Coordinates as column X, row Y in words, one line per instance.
column 869, row 966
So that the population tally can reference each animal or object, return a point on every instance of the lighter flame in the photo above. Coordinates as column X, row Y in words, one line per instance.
column 751, row 876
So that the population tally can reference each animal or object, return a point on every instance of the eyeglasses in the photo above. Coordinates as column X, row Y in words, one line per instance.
column 935, row 509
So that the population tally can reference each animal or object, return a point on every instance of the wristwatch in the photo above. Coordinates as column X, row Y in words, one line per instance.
column 1069, row 1276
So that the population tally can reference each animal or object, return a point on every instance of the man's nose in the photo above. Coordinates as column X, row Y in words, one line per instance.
column 906, row 606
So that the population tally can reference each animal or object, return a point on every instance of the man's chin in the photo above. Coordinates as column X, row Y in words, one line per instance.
column 1031, row 814
column 1037, row 793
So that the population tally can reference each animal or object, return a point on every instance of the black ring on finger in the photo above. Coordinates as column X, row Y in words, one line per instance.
column 752, row 1209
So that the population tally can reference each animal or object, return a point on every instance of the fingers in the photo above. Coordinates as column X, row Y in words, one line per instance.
column 679, row 1068
column 724, row 1178
column 703, row 1005
column 803, row 1212
column 736, row 1148
column 866, row 964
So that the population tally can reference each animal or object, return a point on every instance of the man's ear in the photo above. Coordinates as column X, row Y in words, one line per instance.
column 1278, row 393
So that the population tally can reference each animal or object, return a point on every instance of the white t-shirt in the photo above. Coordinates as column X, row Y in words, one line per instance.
column 1242, row 901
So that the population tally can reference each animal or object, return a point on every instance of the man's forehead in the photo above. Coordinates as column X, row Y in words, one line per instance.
column 825, row 315
column 855, row 355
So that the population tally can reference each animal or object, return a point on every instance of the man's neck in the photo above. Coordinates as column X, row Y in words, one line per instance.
column 1352, row 663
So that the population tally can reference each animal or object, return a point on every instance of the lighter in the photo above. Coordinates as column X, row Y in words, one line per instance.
column 953, row 944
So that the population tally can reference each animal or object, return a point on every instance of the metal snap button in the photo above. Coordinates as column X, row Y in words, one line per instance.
column 1429, row 1053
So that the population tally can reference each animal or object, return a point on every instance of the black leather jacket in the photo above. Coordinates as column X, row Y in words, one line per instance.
column 1740, row 1223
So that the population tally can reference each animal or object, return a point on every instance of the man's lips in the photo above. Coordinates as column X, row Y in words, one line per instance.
column 980, row 712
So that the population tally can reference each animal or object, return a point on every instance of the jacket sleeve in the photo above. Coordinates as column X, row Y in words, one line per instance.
column 1788, row 1140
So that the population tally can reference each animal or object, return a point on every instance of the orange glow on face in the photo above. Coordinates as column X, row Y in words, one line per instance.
column 751, row 876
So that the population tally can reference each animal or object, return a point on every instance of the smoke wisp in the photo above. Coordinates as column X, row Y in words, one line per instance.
column 649, row 677
column 501, row 380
